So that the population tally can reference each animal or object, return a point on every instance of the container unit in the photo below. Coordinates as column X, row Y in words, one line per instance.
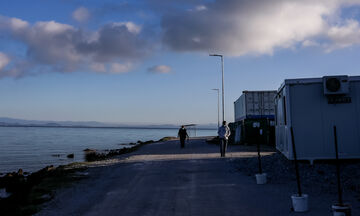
column 255, row 105
column 313, row 107
column 255, row 108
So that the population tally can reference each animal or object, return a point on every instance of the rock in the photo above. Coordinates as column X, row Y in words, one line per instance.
column 89, row 150
column 13, row 182
column 46, row 197
column 49, row 168
column 94, row 156
column 70, row 156
column 4, row 194
column 20, row 172
column 10, row 174
column 167, row 138
column 36, row 177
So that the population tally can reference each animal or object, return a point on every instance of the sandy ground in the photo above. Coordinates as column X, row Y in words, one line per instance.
column 162, row 179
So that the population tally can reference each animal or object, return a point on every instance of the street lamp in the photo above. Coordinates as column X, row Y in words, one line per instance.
column 218, row 92
column 222, row 72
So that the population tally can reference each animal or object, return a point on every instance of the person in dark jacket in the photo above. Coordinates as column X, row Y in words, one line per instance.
column 182, row 134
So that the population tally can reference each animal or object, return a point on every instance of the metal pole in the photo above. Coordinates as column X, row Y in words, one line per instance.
column 338, row 168
column 222, row 82
column 259, row 156
column 296, row 162
column 222, row 71
column 218, row 105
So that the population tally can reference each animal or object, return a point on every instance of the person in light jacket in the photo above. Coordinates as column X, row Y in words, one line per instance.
column 224, row 133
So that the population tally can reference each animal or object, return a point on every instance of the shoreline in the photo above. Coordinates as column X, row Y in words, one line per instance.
column 22, row 193
column 100, row 127
column 100, row 155
column 70, row 155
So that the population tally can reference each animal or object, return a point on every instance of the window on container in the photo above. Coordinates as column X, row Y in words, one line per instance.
column 284, row 109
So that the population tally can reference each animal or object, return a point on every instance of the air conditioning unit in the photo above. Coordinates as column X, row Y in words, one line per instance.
column 336, row 85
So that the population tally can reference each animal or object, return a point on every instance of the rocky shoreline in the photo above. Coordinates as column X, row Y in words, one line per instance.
column 22, row 193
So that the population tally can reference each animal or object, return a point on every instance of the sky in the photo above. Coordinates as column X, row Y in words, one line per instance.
column 147, row 61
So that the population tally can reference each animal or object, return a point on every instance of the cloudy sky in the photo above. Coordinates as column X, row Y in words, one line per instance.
column 147, row 61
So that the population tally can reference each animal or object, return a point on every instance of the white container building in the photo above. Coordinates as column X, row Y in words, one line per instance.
column 312, row 107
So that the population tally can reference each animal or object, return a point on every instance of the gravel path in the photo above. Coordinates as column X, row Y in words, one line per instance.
column 162, row 179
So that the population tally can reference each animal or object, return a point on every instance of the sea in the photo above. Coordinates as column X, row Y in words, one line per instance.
column 33, row 148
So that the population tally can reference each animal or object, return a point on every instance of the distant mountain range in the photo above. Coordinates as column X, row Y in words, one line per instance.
column 12, row 122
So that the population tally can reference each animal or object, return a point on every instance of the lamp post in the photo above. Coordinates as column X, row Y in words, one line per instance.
column 218, row 105
column 222, row 92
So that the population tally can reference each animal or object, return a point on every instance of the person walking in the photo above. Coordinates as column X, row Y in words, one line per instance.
column 224, row 133
column 182, row 134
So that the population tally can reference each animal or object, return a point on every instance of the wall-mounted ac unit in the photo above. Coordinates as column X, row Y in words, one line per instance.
column 336, row 85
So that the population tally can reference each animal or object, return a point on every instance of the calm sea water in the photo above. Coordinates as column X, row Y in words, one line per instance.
column 32, row 148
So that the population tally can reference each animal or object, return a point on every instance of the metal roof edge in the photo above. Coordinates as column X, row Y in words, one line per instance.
column 310, row 81
column 246, row 91
column 303, row 81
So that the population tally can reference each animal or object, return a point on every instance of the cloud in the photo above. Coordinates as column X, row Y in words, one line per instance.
column 64, row 48
column 120, row 68
column 114, row 40
column 344, row 36
column 4, row 60
column 310, row 43
column 230, row 27
column 98, row 67
column 132, row 27
column 240, row 27
column 81, row 14
column 160, row 69
column 200, row 7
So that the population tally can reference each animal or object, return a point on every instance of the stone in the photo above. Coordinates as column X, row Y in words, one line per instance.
column 89, row 150
column 20, row 172
column 4, row 194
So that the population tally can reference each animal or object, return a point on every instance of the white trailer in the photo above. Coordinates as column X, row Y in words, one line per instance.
column 313, row 107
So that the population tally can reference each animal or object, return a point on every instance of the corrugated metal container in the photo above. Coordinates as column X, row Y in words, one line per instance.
column 254, row 105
